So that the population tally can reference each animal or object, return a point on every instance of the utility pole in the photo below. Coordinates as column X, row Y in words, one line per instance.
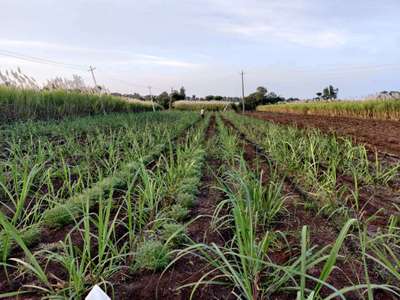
column 170, row 99
column 151, row 97
column 91, row 69
column 242, row 74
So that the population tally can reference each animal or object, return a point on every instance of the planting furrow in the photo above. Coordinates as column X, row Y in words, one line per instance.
column 39, row 177
column 300, row 212
column 80, row 150
column 69, row 211
column 137, row 213
column 326, row 181
column 189, row 269
column 295, row 215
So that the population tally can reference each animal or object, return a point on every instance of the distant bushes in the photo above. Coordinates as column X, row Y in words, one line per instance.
column 23, row 104
column 370, row 109
column 207, row 105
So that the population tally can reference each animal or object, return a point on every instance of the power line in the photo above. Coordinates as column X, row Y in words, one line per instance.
column 39, row 60
column 45, row 61
column 127, row 83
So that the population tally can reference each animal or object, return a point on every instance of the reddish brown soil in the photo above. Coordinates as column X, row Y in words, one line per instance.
column 190, row 268
column 377, row 201
column 382, row 135
column 322, row 232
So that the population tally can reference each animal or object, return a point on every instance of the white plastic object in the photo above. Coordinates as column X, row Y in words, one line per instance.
column 97, row 294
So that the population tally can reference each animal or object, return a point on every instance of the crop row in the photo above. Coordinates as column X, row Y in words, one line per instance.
column 264, row 260
column 40, row 181
column 124, row 227
column 331, row 169
column 62, row 159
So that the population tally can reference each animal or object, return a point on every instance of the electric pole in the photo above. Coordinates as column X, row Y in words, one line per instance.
column 151, row 97
column 242, row 74
column 170, row 99
column 91, row 69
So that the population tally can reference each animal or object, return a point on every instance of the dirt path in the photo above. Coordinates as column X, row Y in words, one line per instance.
column 190, row 268
column 377, row 134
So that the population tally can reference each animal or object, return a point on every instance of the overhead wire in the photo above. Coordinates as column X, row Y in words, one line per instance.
column 327, row 71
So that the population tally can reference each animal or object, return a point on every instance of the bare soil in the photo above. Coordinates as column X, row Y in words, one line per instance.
column 377, row 134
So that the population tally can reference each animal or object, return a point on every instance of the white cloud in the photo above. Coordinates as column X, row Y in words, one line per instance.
column 32, row 44
column 318, row 38
column 145, row 59
column 157, row 60
column 26, row 46
column 295, row 21
column 321, row 39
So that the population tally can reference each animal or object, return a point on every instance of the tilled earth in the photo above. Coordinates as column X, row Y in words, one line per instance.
column 382, row 135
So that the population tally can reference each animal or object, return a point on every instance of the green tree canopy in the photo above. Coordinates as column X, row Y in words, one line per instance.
column 163, row 99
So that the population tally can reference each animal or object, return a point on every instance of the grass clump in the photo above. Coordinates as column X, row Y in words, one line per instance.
column 174, row 233
column 185, row 199
column 151, row 255
column 176, row 212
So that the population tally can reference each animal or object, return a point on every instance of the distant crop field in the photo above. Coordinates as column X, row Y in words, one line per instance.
column 369, row 109
column 24, row 104
column 207, row 105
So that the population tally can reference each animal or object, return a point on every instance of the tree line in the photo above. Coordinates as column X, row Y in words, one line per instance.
column 260, row 97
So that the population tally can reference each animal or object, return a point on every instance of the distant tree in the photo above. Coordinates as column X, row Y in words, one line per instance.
column 163, row 99
column 261, row 96
column 256, row 98
column 176, row 96
column 218, row 98
column 251, row 101
column 330, row 93
column 334, row 92
column 272, row 98
column 261, row 90
column 182, row 93
column 209, row 97
column 137, row 96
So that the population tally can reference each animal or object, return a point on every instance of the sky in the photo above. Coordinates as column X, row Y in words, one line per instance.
column 292, row 47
